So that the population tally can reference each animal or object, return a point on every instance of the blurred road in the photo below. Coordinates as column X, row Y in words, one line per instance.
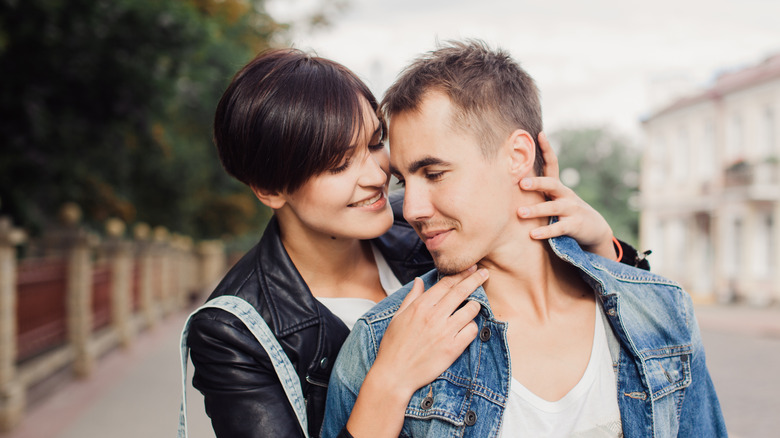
column 135, row 392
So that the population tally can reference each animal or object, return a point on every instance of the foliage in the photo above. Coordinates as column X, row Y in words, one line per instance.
column 604, row 171
column 109, row 103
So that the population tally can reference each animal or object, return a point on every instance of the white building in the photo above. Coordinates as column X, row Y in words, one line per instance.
column 710, row 189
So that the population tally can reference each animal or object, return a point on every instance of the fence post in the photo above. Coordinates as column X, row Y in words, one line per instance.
column 212, row 263
column 145, row 260
column 79, row 289
column 184, row 272
column 163, row 254
column 12, row 392
column 121, row 273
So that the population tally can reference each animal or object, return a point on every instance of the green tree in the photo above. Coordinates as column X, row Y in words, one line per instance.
column 109, row 103
column 603, row 169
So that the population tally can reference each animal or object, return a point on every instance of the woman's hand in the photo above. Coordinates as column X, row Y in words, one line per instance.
column 428, row 332
column 576, row 218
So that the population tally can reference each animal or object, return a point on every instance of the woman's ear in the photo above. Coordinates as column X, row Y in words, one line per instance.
column 270, row 198
column 522, row 154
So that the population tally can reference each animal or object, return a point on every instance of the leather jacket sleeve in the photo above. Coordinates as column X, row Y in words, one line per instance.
column 632, row 257
column 242, row 393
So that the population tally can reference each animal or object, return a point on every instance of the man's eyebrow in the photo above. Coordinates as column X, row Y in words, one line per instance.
column 426, row 161
column 419, row 164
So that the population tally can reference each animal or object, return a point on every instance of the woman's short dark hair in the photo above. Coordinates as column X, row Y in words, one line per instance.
column 288, row 116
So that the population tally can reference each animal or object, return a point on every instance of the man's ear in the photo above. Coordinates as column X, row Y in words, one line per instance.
column 522, row 154
column 270, row 198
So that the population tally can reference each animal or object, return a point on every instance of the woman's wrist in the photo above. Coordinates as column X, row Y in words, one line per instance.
column 380, row 406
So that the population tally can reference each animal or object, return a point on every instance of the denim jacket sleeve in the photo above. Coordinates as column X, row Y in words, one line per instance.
column 355, row 359
column 700, row 413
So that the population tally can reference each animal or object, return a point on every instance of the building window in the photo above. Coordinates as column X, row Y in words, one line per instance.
column 763, row 248
column 707, row 153
column 681, row 156
column 769, row 133
column 658, row 162
column 735, row 139
column 733, row 250
column 771, row 238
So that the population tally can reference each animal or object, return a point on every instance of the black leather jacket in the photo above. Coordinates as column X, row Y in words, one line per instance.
column 242, row 393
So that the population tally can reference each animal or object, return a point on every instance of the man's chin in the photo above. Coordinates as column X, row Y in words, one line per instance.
column 451, row 267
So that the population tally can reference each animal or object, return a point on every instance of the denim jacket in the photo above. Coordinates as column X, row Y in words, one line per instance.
column 663, row 386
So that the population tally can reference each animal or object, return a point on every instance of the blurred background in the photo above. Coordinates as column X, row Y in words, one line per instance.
column 116, row 217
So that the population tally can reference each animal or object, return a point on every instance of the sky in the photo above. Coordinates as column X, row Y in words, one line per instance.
column 597, row 62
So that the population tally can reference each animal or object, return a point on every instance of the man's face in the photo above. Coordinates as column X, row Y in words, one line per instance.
column 456, row 199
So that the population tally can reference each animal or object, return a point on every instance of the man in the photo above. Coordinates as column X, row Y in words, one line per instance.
column 569, row 344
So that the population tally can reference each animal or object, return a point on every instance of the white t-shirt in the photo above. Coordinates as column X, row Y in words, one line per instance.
column 590, row 409
column 350, row 309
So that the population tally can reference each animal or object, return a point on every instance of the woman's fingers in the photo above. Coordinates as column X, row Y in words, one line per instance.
column 550, row 159
column 443, row 286
column 560, row 228
column 552, row 187
column 460, row 291
column 417, row 289
column 464, row 315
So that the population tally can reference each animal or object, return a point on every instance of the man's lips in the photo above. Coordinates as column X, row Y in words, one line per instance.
column 434, row 239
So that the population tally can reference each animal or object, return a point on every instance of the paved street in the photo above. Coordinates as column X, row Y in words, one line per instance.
column 135, row 392
column 743, row 354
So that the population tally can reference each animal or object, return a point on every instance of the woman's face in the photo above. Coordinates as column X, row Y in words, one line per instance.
column 350, row 200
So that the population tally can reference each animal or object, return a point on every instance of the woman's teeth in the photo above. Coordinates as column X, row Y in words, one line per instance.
column 367, row 202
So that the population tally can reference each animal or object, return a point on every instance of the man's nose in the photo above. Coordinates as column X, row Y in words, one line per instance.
column 417, row 202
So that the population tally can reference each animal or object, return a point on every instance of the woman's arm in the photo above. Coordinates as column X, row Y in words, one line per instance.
column 428, row 332
column 242, row 393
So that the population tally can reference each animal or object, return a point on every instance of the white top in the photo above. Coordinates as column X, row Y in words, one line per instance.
column 590, row 409
column 350, row 309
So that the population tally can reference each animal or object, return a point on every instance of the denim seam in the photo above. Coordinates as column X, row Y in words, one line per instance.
column 668, row 351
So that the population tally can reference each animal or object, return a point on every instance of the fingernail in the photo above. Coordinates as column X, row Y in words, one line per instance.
column 524, row 211
column 483, row 272
column 525, row 183
column 536, row 234
column 472, row 268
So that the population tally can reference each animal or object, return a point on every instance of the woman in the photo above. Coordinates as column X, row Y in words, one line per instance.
column 302, row 132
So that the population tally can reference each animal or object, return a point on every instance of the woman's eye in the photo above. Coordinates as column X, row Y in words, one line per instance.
column 376, row 147
column 344, row 166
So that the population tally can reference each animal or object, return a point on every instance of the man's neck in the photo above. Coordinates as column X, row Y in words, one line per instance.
column 528, row 279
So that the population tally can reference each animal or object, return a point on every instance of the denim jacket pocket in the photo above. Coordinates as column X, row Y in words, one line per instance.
column 441, row 399
column 668, row 374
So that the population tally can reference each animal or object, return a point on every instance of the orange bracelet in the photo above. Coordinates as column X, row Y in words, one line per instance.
column 618, row 249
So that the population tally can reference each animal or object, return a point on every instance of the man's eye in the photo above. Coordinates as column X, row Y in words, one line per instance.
column 434, row 176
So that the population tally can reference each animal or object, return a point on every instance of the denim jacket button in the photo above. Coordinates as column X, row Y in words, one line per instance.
column 324, row 363
column 471, row 418
column 484, row 334
column 427, row 403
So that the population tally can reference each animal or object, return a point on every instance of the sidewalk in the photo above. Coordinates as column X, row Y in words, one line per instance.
column 132, row 393
column 760, row 322
column 135, row 392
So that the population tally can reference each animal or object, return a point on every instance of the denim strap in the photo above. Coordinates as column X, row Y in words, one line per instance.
column 255, row 323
